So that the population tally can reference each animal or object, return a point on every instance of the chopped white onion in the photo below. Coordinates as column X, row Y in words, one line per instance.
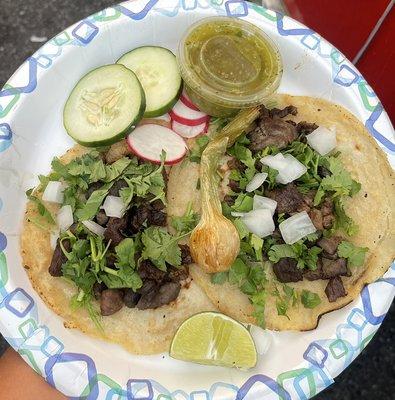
column 113, row 206
column 322, row 139
column 256, row 181
column 53, row 193
column 94, row 227
column 264, row 202
column 53, row 238
column 262, row 339
column 237, row 214
column 260, row 222
column 288, row 167
column 65, row 218
column 296, row 227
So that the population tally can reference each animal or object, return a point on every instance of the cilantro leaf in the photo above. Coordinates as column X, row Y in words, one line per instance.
column 343, row 221
column 258, row 301
column 90, row 208
column 185, row 223
column 42, row 210
column 114, row 170
column 238, row 272
column 196, row 152
column 219, row 278
column 355, row 255
column 160, row 247
column 310, row 299
column 125, row 253
column 243, row 203
column 241, row 228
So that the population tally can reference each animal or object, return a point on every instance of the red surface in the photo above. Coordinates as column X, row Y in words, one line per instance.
column 347, row 25
column 377, row 65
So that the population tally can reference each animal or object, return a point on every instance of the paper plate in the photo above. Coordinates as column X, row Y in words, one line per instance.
column 297, row 365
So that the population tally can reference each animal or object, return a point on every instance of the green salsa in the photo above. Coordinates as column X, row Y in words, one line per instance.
column 228, row 64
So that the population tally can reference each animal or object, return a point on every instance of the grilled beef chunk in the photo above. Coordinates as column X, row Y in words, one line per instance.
column 271, row 132
column 157, row 298
column 335, row 289
column 177, row 274
column 157, row 205
column 148, row 271
column 131, row 298
column 98, row 289
column 328, row 215
column 148, row 286
column 148, row 212
column 137, row 218
column 332, row 268
column 115, row 229
column 111, row 301
column 281, row 113
column 101, row 218
column 229, row 200
column 234, row 163
column 313, row 275
column 286, row 271
column 234, row 186
column 117, row 186
column 92, row 187
column 186, row 257
column 157, row 218
column 305, row 128
column 58, row 258
column 289, row 199
column 329, row 245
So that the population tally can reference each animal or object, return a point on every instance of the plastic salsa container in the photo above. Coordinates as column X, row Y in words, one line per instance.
column 228, row 64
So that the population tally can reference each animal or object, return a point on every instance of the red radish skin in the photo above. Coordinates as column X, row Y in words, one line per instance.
column 147, row 142
column 189, row 132
column 187, row 101
column 189, row 122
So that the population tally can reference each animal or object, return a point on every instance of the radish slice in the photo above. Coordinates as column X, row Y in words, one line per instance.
column 53, row 193
column 296, row 227
column 260, row 222
column 189, row 131
column 256, row 181
column 164, row 117
column 65, row 218
column 113, row 206
column 94, row 227
column 148, row 141
column 187, row 116
column 187, row 101
column 260, row 202
column 323, row 140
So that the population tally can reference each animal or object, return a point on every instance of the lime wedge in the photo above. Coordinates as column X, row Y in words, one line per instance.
column 212, row 338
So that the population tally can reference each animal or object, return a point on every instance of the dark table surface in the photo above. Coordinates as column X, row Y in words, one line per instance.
column 372, row 375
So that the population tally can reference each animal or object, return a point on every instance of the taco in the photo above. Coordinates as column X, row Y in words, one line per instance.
column 327, row 225
column 122, row 278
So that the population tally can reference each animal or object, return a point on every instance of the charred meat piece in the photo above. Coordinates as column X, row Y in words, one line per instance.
column 58, row 258
column 305, row 128
column 271, row 132
column 234, row 163
column 289, row 199
column 117, row 186
column 131, row 298
column 286, row 271
column 177, row 274
column 101, row 218
column 115, row 229
column 335, row 289
column 156, row 298
column 316, row 218
column 98, row 289
column 148, row 271
column 328, row 215
column 234, row 186
column 313, row 275
column 111, row 301
column 229, row 200
column 329, row 245
column 157, row 205
column 281, row 113
column 186, row 257
column 148, row 286
column 332, row 268
column 157, row 218
column 138, row 217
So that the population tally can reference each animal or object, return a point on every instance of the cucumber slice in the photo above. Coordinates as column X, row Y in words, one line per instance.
column 104, row 106
column 157, row 70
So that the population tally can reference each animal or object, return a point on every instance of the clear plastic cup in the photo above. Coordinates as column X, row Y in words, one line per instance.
column 228, row 64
